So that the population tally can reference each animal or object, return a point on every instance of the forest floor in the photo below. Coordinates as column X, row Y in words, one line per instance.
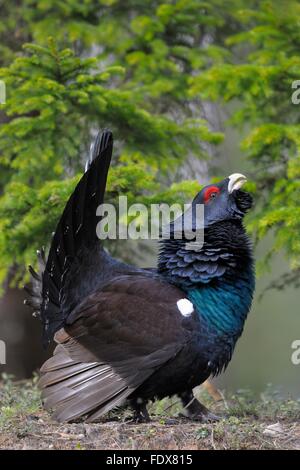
column 267, row 423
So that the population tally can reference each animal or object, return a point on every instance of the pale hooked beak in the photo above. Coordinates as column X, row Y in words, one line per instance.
column 236, row 181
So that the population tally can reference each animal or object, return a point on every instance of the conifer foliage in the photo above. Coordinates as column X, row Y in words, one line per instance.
column 262, row 76
column 55, row 101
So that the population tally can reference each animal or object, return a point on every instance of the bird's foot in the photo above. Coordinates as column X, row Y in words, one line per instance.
column 170, row 421
column 140, row 414
column 202, row 417
column 138, row 419
column 195, row 411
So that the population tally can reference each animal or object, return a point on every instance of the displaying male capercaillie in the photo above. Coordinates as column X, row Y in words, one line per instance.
column 130, row 335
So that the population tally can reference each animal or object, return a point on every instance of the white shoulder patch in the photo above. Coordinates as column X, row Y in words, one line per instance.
column 185, row 307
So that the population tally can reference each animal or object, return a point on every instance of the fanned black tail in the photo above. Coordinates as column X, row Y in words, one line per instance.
column 75, row 234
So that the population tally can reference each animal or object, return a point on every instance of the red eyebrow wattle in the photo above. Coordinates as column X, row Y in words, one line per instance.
column 209, row 191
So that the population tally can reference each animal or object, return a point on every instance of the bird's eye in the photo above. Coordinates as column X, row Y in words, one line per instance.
column 210, row 193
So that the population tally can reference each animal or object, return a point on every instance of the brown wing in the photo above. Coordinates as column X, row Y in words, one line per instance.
column 113, row 342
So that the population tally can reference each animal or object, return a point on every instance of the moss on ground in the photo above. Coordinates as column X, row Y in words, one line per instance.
column 247, row 423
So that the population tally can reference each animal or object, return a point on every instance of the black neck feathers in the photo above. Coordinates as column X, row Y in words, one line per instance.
column 226, row 250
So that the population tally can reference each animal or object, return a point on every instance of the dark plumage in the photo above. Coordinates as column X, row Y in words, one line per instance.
column 130, row 335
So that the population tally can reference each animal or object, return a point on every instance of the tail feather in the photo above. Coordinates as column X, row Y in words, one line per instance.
column 76, row 231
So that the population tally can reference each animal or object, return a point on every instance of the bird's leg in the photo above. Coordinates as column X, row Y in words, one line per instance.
column 140, row 413
column 194, row 410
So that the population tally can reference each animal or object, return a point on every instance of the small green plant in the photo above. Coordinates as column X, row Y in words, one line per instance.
column 202, row 433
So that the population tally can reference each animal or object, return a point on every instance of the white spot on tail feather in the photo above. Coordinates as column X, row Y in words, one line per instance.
column 185, row 307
